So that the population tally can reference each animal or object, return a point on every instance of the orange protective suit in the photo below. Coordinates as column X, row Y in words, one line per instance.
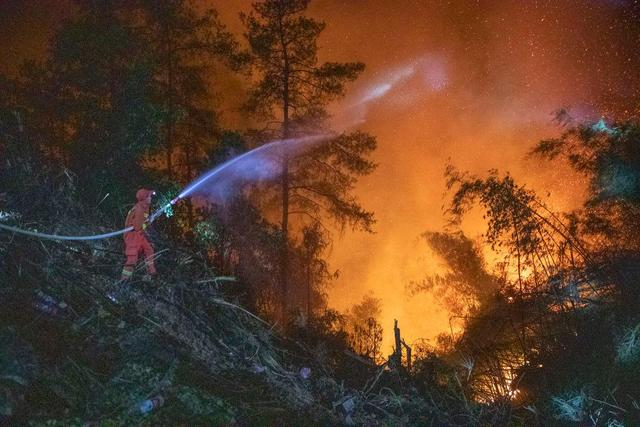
column 136, row 241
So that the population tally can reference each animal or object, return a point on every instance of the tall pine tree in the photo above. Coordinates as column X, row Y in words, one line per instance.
column 293, row 90
column 185, row 43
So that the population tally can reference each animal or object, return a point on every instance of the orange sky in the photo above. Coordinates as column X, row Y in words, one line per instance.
column 487, row 76
column 475, row 82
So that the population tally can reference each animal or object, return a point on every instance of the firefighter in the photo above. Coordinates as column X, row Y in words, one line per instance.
column 136, row 241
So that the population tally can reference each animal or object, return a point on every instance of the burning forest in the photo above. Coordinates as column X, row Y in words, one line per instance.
column 295, row 212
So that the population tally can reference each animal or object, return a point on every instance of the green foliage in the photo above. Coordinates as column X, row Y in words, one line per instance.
column 128, row 387
column 323, row 181
column 278, row 31
column 163, row 200
column 185, row 42
column 607, row 155
column 17, row 370
column 99, row 114
column 628, row 347
column 205, row 408
column 231, row 144
column 570, row 407
column 207, row 233
column 609, row 158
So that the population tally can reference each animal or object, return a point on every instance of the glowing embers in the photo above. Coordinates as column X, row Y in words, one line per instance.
column 494, row 380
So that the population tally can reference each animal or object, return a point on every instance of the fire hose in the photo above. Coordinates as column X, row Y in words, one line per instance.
column 46, row 236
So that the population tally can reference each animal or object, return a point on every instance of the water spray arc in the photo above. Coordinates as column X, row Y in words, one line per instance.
column 193, row 186
column 298, row 143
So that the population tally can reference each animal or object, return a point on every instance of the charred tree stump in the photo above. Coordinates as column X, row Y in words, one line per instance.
column 396, row 358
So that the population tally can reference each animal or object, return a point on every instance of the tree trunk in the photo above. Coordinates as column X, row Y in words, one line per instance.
column 169, row 123
column 408, row 351
column 398, row 350
column 284, row 250
column 309, row 261
column 189, row 165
